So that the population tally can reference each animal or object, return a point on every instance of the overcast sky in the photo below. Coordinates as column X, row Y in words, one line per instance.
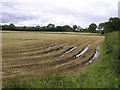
column 58, row 12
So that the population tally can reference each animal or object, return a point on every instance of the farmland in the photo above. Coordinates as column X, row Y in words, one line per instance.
column 27, row 54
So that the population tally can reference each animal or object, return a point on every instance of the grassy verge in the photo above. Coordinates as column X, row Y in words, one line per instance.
column 103, row 73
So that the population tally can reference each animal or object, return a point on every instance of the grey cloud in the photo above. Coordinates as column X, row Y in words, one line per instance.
column 8, row 4
column 9, row 17
column 46, row 11
column 12, row 15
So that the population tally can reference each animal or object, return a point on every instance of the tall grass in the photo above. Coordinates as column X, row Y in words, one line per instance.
column 105, row 72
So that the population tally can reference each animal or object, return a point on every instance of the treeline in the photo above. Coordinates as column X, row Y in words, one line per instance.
column 51, row 27
column 112, row 25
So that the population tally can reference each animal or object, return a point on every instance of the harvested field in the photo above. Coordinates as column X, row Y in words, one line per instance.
column 38, row 53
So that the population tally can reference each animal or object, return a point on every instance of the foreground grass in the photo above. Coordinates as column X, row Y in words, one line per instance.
column 103, row 73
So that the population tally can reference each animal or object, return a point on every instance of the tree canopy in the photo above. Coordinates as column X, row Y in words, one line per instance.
column 112, row 25
column 92, row 27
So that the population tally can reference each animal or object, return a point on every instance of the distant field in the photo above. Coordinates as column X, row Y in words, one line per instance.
column 42, row 32
column 32, row 53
